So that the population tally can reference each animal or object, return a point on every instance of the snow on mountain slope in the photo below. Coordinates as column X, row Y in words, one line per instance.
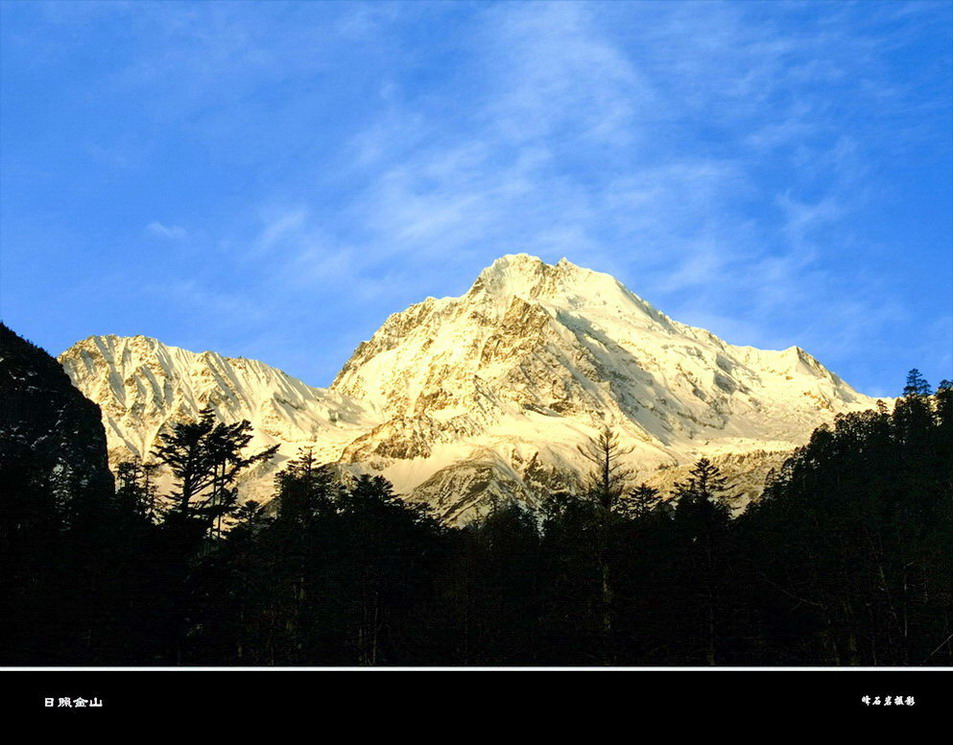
column 142, row 386
column 534, row 358
column 460, row 401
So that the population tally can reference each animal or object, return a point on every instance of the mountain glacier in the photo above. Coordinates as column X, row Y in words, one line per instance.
column 460, row 401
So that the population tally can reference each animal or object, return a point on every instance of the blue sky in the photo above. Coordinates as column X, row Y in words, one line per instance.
column 273, row 180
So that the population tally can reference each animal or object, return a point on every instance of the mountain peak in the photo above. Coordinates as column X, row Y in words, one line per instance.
column 529, row 277
column 525, row 266
column 562, row 286
column 514, row 270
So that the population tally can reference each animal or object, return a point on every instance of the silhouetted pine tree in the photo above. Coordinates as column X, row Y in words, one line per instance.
column 492, row 590
column 702, row 522
column 136, row 488
column 205, row 460
column 639, row 501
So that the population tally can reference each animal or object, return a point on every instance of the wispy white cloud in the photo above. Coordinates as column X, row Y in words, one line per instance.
column 553, row 72
column 280, row 226
column 172, row 232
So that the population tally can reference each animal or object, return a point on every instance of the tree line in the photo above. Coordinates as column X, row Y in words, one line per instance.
column 847, row 559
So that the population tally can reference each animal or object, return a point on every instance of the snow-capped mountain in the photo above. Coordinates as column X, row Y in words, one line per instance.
column 142, row 386
column 460, row 400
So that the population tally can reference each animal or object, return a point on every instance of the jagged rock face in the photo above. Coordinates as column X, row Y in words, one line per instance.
column 43, row 417
column 462, row 400
column 144, row 386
